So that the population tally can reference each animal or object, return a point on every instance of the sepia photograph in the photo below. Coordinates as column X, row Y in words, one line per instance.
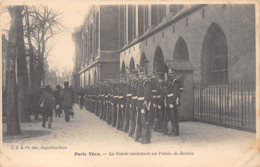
column 130, row 83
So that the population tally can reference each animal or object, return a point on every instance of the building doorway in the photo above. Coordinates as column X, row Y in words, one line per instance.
column 158, row 63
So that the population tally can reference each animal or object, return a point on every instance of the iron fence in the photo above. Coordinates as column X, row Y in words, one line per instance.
column 229, row 104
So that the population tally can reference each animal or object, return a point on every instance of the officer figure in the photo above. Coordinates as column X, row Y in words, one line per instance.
column 146, row 113
column 153, row 85
column 173, row 101
column 127, row 107
column 132, row 106
column 140, row 101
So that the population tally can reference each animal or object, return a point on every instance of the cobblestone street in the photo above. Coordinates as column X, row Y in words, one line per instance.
column 89, row 140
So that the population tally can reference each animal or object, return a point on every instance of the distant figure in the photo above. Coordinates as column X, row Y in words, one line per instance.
column 81, row 98
column 58, row 109
column 46, row 102
column 66, row 99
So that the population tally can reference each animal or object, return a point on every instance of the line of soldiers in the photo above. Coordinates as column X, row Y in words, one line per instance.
column 136, row 103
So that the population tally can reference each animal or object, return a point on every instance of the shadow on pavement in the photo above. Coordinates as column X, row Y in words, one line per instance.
column 25, row 134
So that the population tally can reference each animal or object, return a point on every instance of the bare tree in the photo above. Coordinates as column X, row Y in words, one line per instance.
column 13, row 126
column 42, row 25
column 22, row 74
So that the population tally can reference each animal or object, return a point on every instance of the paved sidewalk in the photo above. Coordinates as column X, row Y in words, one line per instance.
column 79, row 143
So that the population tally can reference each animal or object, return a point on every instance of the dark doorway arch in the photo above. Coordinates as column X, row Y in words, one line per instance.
column 132, row 65
column 181, row 50
column 142, row 60
column 123, row 71
column 158, row 63
column 215, row 55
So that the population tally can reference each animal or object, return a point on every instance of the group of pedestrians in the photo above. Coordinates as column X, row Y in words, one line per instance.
column 55, row 102
column 136, row 103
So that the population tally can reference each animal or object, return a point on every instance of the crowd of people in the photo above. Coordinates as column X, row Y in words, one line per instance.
column 55, row 102
column 136, row 103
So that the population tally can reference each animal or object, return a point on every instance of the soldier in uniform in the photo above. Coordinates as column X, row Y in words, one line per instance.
column 140, row 101
column 161, row 94
column 105, row 102
column 108, row 103
column 146, row 113
column 101, row 100
column 121, row 105
column 114, row 104
column 153, row 111
column 173, row 99
column 127, row 107
column 132, row 107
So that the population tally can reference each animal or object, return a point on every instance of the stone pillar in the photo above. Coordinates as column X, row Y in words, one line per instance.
column 257, row 114
column 168, row 9
column 126, row 24
column 136, row 20
column 149, row 15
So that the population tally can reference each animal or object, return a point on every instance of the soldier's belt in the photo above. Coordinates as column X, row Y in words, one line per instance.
column 153, row 90
column 181, row 88
column 154, row 97
column 134, row 97
column 159, row 96
column 128, row 95
column 170, row 95
column 140, row 98
column 106, row 96
column 115, row 96
column 120, row 97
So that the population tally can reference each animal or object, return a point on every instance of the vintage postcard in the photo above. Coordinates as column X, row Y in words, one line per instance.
column 130, row 83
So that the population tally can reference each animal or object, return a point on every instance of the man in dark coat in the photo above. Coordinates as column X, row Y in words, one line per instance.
column 47, row 104
column 57, row 101
column 66, row 97
column 173, row 102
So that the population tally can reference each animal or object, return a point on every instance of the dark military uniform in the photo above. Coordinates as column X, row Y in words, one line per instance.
column 153, row 85
column 127, row 108
column 173, row 97
column 108, row 116
column 115, row 103
column 121, row 107
column 101, row 101
column 133, row 104
column 146, row 113
column 140, row 101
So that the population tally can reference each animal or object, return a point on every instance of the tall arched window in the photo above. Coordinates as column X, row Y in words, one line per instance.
column 181, row 50
column 158, row 63
column 123, row 68
column 132, row 64
column 215, row 55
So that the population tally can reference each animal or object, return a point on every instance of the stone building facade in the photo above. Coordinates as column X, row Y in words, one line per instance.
column 97, row 45
column 118, row 38
column 204, row 43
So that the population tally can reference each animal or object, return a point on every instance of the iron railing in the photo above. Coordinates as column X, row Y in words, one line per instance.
column 229, row 104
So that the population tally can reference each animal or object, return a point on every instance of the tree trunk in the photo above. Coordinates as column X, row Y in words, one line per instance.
column 22, row 72
column 13, row 126
column 31, row 84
